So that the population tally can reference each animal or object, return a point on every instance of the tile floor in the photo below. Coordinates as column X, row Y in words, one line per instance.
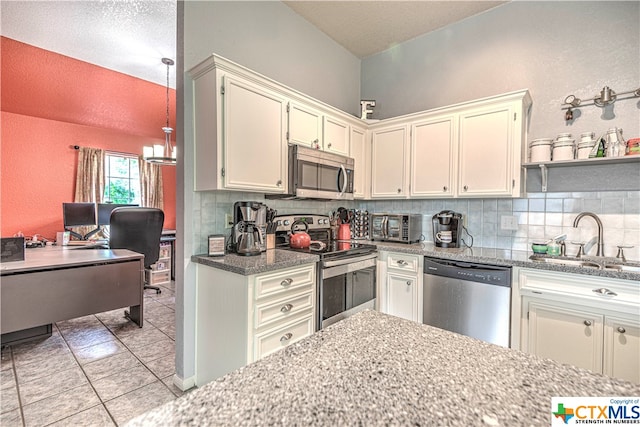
column 98, row 370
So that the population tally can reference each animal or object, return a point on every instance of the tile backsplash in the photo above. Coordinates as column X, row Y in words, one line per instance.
column 540, row 217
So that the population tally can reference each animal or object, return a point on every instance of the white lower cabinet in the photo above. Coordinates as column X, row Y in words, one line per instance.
column 566, row 335
column 240, row 319
column 400, row 291
column 586, row 321
column 622, row 348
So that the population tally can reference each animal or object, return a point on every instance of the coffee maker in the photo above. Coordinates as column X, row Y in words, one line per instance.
column 248, row 236
column 447, row 229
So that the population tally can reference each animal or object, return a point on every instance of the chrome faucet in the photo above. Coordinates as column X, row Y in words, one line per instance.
column 599, row 223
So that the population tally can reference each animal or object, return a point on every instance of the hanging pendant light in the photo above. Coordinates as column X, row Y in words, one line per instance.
column 164, row 155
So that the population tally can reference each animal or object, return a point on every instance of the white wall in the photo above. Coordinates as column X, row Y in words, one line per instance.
column 271, row 39
column 552, row 48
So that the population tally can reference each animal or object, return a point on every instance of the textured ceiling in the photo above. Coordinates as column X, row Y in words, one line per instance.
column 129, row 36
column 368, row 27
column 132, row 36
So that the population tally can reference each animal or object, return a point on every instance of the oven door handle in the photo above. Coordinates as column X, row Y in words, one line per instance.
column 327, row 264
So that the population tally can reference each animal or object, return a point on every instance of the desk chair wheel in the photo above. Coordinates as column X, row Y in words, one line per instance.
column 153, row 287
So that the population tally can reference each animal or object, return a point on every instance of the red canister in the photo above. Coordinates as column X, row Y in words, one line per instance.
column 344, row 232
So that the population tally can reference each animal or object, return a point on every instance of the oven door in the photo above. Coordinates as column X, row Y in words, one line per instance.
column 346, row 287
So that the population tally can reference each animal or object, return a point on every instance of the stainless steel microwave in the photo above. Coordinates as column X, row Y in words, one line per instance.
column 315, row 174
column 405, row 228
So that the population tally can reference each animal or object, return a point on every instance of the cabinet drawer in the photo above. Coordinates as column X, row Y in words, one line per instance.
column 287, row 308
column 403, row 262
column 160, row 265
column 276, row 339
column 271, row 284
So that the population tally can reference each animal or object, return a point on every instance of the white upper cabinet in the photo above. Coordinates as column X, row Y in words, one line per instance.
column 472, row 149
column 239, row 131
column 359, row 151
column 432, row 160
column 335, row 135
column 486, row 152
column 389, row 148
column 305, row 126
column 253, row 137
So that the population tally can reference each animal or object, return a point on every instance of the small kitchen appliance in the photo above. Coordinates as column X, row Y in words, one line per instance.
column 447, row 229
column 404, row 228
column 248, row 236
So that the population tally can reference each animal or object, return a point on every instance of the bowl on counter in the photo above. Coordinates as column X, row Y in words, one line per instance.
column 539, row 248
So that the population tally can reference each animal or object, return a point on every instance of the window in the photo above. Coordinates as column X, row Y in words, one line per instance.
column 122, row 179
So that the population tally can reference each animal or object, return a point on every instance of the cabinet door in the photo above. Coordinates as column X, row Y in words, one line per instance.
column 402, row 296
column 335, row 136
column 305, row 126
column 358, row 151
column 432, row 159
column 566, row 335
column 254, row 138
column 388, row 163
column 622, row 348
column 486, row 152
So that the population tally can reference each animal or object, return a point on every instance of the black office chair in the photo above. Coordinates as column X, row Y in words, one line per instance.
column 139, row 230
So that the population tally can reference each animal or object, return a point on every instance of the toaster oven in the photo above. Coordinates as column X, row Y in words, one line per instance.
column 405, row 228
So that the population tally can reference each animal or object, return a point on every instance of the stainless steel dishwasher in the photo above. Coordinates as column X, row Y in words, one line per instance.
column 468, row 298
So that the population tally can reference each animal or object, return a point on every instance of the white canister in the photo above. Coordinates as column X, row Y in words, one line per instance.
column 563, row 149
column 587, row 136
column 584, row 149
column 540, row 150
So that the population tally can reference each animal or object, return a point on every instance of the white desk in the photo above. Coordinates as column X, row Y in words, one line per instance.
column 61, row 283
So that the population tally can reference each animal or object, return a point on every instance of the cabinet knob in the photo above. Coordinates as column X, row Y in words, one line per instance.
column 621, row 329
column 286, row 308
column 444, row 188
column 399, row 190
column 329, row 145
column 409, row 282
column 279, row 183
column 286, row 337
column 587, row 322
column 465, row 188
column 286, row 282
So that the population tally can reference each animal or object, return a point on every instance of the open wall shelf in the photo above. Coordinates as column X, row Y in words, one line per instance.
column 599, row 174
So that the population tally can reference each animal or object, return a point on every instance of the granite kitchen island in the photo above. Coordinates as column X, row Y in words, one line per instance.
column 376, row 369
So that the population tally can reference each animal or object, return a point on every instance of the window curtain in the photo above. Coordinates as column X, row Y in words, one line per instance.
column 89, row 178
column 151, row 190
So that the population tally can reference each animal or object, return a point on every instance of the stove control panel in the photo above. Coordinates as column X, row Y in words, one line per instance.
column 315, row 222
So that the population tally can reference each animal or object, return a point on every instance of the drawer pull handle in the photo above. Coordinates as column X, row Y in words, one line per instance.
column 402, row 262
column 605, row 291
column 286, row 308
column 621, row 329
column 286, row 282
column 587, row 322
column 286, row 337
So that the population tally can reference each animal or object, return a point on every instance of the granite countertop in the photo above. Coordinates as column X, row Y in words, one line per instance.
column 272, row 259
column 376, row 369
column 281, row 258
column 504, row 257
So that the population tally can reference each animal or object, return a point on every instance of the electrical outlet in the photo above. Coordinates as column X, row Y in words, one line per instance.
column 228, row 221
column 508, row 222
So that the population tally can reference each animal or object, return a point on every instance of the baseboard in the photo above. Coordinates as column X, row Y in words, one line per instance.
column 184, row 384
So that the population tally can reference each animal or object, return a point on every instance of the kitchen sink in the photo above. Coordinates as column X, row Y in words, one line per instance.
column 565, row 261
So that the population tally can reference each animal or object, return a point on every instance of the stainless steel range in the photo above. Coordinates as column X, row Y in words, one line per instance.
column 346, row 270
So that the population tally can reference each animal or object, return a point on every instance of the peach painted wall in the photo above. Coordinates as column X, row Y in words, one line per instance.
column 51, row 102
